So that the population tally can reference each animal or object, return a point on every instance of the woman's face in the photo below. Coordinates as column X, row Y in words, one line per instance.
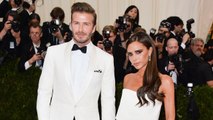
column 133, row 13
column 138, row 54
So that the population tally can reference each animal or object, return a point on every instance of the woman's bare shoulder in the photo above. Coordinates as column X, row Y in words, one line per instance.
column 128, row 79
column 166, row 82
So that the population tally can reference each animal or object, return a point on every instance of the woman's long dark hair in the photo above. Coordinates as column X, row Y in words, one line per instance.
column 151, row 79
column 136, row 20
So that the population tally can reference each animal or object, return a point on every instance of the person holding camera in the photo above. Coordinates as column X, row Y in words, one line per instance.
column 171, row 64
column 11, row 38
column 124, row 25
column 33, row 54
column 196, row 70
column 56, row 31
column 178, row 33
column 24, row 15
column 161, row 37
column 110, row 45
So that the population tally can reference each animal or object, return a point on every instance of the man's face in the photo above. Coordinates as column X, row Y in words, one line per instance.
column 172, row 46
column 82, row 27
column 178, row 29
column 197, row 48
column 35, row 34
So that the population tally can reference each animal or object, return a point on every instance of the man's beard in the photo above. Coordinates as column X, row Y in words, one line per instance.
column 198, row 53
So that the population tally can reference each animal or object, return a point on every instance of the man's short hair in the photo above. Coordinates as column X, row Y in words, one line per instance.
column 174, row 20
column 110, row 28
column 35, row 25
column 195, row 40
column 57, row 13
column 83, row 7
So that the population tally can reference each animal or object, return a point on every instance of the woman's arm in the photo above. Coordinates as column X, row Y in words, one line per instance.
column 169, row 99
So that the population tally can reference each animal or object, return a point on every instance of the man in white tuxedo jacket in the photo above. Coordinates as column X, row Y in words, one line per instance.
column 76, row 73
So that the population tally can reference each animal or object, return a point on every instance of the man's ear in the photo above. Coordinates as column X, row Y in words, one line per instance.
column 94, row 28
column 166, row 48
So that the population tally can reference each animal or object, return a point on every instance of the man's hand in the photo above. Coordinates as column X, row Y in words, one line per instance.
column 34, row 58
column 170, row 66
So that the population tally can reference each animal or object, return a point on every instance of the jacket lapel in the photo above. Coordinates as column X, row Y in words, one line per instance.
column 90, row 71
column 67, row 65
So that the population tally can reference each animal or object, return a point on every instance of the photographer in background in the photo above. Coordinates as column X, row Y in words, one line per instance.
column 178, row 33
column 161, row 37
column 24, row 15
column 171, row 64
column 196, row 70
column 33, row 53
column 56, row 31
column 11, row 38
column 124, row 26
column 109, row 44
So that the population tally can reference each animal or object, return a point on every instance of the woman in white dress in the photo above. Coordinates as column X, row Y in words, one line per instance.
column 145, row 91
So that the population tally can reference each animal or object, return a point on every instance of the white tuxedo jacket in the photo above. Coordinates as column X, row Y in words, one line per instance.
column 55, row 99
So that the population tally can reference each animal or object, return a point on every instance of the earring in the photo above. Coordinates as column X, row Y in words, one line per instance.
column 149, row 58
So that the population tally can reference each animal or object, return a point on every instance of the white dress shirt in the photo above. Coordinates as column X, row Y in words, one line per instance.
column 38, row 62
column 79, row 68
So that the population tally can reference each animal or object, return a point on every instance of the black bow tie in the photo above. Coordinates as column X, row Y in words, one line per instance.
column 83, row 49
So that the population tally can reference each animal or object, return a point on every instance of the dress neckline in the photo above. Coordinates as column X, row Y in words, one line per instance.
column 129, row 90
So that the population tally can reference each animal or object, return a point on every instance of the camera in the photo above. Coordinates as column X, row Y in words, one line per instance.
column 54, row 25
column 122, row 23
column 178, row 61
column 15, row 25
column 41, row 51
column 106, row 42
column 188, row 26
column 152, row 33
column 160, row 37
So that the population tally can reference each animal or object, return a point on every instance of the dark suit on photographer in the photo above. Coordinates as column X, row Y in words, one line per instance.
column 11, row 36
column 4, row 8
column 172, row 63
column 33, row 53
column 119, row 54
column 27, row 52
column 24, row 16
column 10, row 46
column 196, row 70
